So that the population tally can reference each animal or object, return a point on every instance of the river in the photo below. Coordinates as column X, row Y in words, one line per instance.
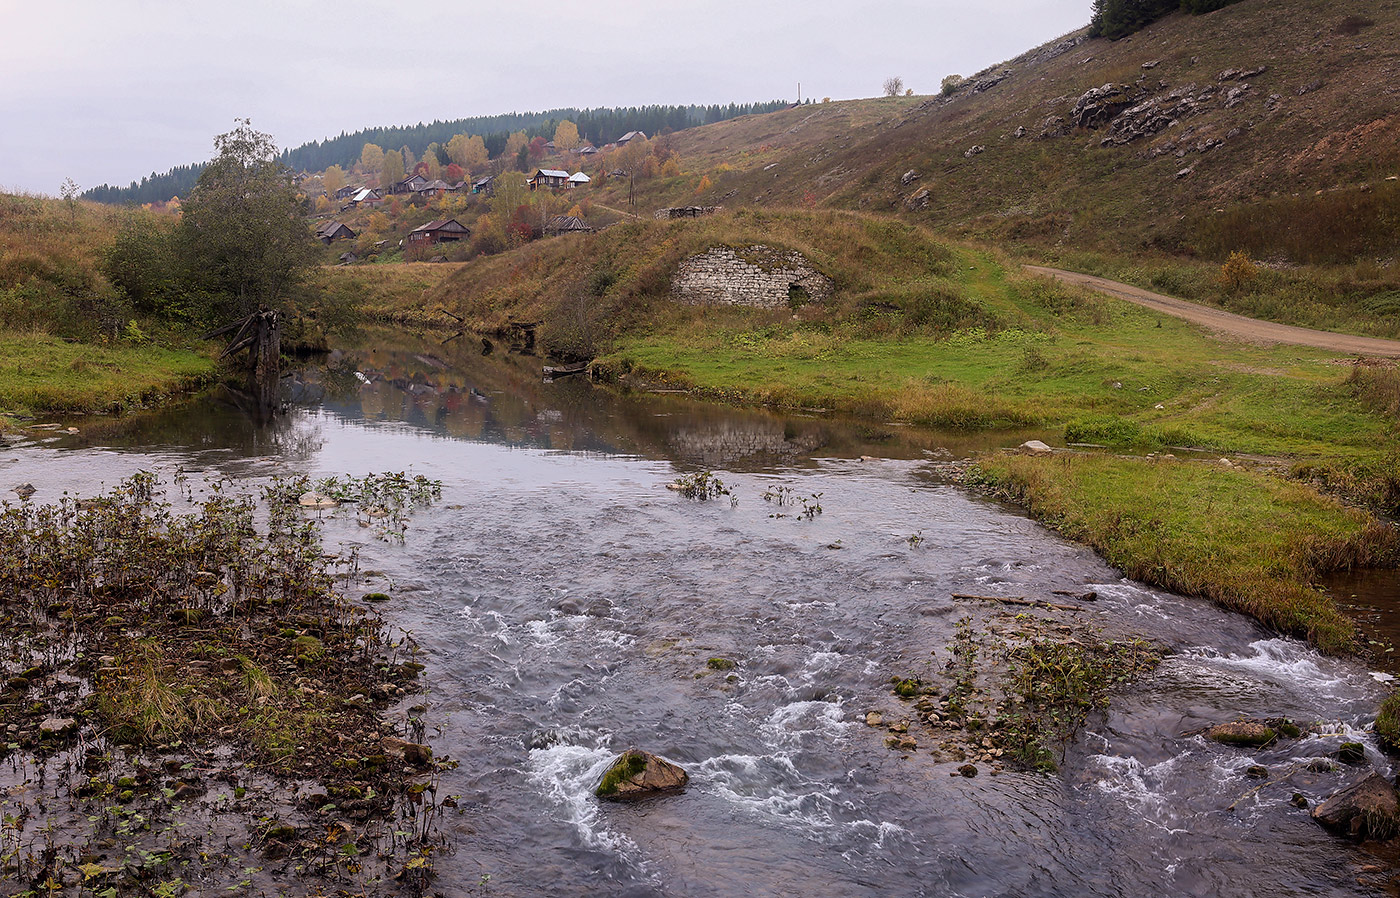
column 569, row 604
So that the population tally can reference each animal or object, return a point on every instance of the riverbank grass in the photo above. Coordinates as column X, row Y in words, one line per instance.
column 1251, row 542
column 43, row 373
column 1041, row 353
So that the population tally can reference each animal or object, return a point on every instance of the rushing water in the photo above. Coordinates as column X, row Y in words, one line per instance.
column 568, row 604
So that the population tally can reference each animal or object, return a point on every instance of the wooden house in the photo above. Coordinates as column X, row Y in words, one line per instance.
column 348, row 191
column 329, row 231
column 433, row 188
column 442, row 231
column 630, row 136
column 577, row 179
column 411, row 184
column 549, row 177
column 486, row 185
column 565, row 224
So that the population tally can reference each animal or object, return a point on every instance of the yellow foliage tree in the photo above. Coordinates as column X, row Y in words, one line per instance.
column 703, row 186
column 514, row 144
column 576, row 211
column 378, row 222
column 672, row 168
column 468, row 151
column 371, row 158
column 333, row 179
column 391, row 169
column 566, row 136
column 322, row 203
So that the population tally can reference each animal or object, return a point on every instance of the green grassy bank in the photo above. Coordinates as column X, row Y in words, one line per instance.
column 1252, row 542
column 41, row 373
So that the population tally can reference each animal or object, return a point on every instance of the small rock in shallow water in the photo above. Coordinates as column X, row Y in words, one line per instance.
column 24, row 490
column 1257, row 771
column 968, row 770
column 874, row 718
column 313, row 499
column 1352, row 753
column 637, row 774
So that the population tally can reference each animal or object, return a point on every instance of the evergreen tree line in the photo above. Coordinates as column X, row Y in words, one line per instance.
column 154, row 188
column 597, row 126
column 1119, row 18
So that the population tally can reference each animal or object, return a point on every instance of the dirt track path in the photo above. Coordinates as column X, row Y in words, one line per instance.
column 1238, row 325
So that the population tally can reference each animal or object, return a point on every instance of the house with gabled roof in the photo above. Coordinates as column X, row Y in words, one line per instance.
column 433, row 188
column 630, row 136
column 486, row 185
column 578, row 179
column 548, row 177
column 411, row 184
column 442, row 231
column 328, row 231
column 566, row 224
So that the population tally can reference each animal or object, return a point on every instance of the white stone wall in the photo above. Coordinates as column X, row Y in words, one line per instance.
column 757, row 276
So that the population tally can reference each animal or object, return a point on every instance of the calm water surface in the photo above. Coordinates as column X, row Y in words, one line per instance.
column 568, row 604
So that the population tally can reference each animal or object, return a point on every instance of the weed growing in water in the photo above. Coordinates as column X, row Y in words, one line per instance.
column 701, row 486
column 1053, row 685
column 786, row 495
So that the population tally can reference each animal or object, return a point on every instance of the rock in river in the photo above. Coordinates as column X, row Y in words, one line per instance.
column 313, row 499
column 636, row 774
column 1367, row 809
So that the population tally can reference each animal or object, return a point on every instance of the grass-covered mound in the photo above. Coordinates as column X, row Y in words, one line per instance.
column 588, row 290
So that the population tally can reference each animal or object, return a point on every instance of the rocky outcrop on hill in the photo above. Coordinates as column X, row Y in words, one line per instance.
column 1098, row 106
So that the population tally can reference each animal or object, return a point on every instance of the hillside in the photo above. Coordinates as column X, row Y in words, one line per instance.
column 1166, row 140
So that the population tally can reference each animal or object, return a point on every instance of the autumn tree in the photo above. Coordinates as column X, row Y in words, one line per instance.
column 242, row 239
column 566, row 136
column 516, row 144
column 391, row 169
column 333, row 179
column 537, row 149
column 409, row 159
column 371, row 158
column 893, row 85
column 453, row 173
column 468, row 151
column 70, row 191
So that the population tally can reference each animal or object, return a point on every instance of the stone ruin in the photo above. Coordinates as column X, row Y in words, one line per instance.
column 756, row 276
column 685, row 212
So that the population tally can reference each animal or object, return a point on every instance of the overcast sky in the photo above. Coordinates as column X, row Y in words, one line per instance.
column 111, row 90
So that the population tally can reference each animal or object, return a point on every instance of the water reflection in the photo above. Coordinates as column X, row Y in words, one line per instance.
column 452, row 391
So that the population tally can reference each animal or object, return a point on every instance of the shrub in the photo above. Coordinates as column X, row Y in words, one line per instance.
column 1238, row 273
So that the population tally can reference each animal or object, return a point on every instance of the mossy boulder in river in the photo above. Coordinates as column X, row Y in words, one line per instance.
column 1367, row 809
column 636, row 774
column 1253, row 733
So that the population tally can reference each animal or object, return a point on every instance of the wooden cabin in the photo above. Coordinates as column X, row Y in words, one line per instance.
column 549, row 177
column 578, row 179
column 566, row 224
column 443, row 231
column 411, row 184
column 329, row 231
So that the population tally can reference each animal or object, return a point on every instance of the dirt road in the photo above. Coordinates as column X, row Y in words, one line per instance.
column 1238, row 325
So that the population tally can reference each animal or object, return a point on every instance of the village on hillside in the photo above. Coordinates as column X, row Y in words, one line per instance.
column 455, row 203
